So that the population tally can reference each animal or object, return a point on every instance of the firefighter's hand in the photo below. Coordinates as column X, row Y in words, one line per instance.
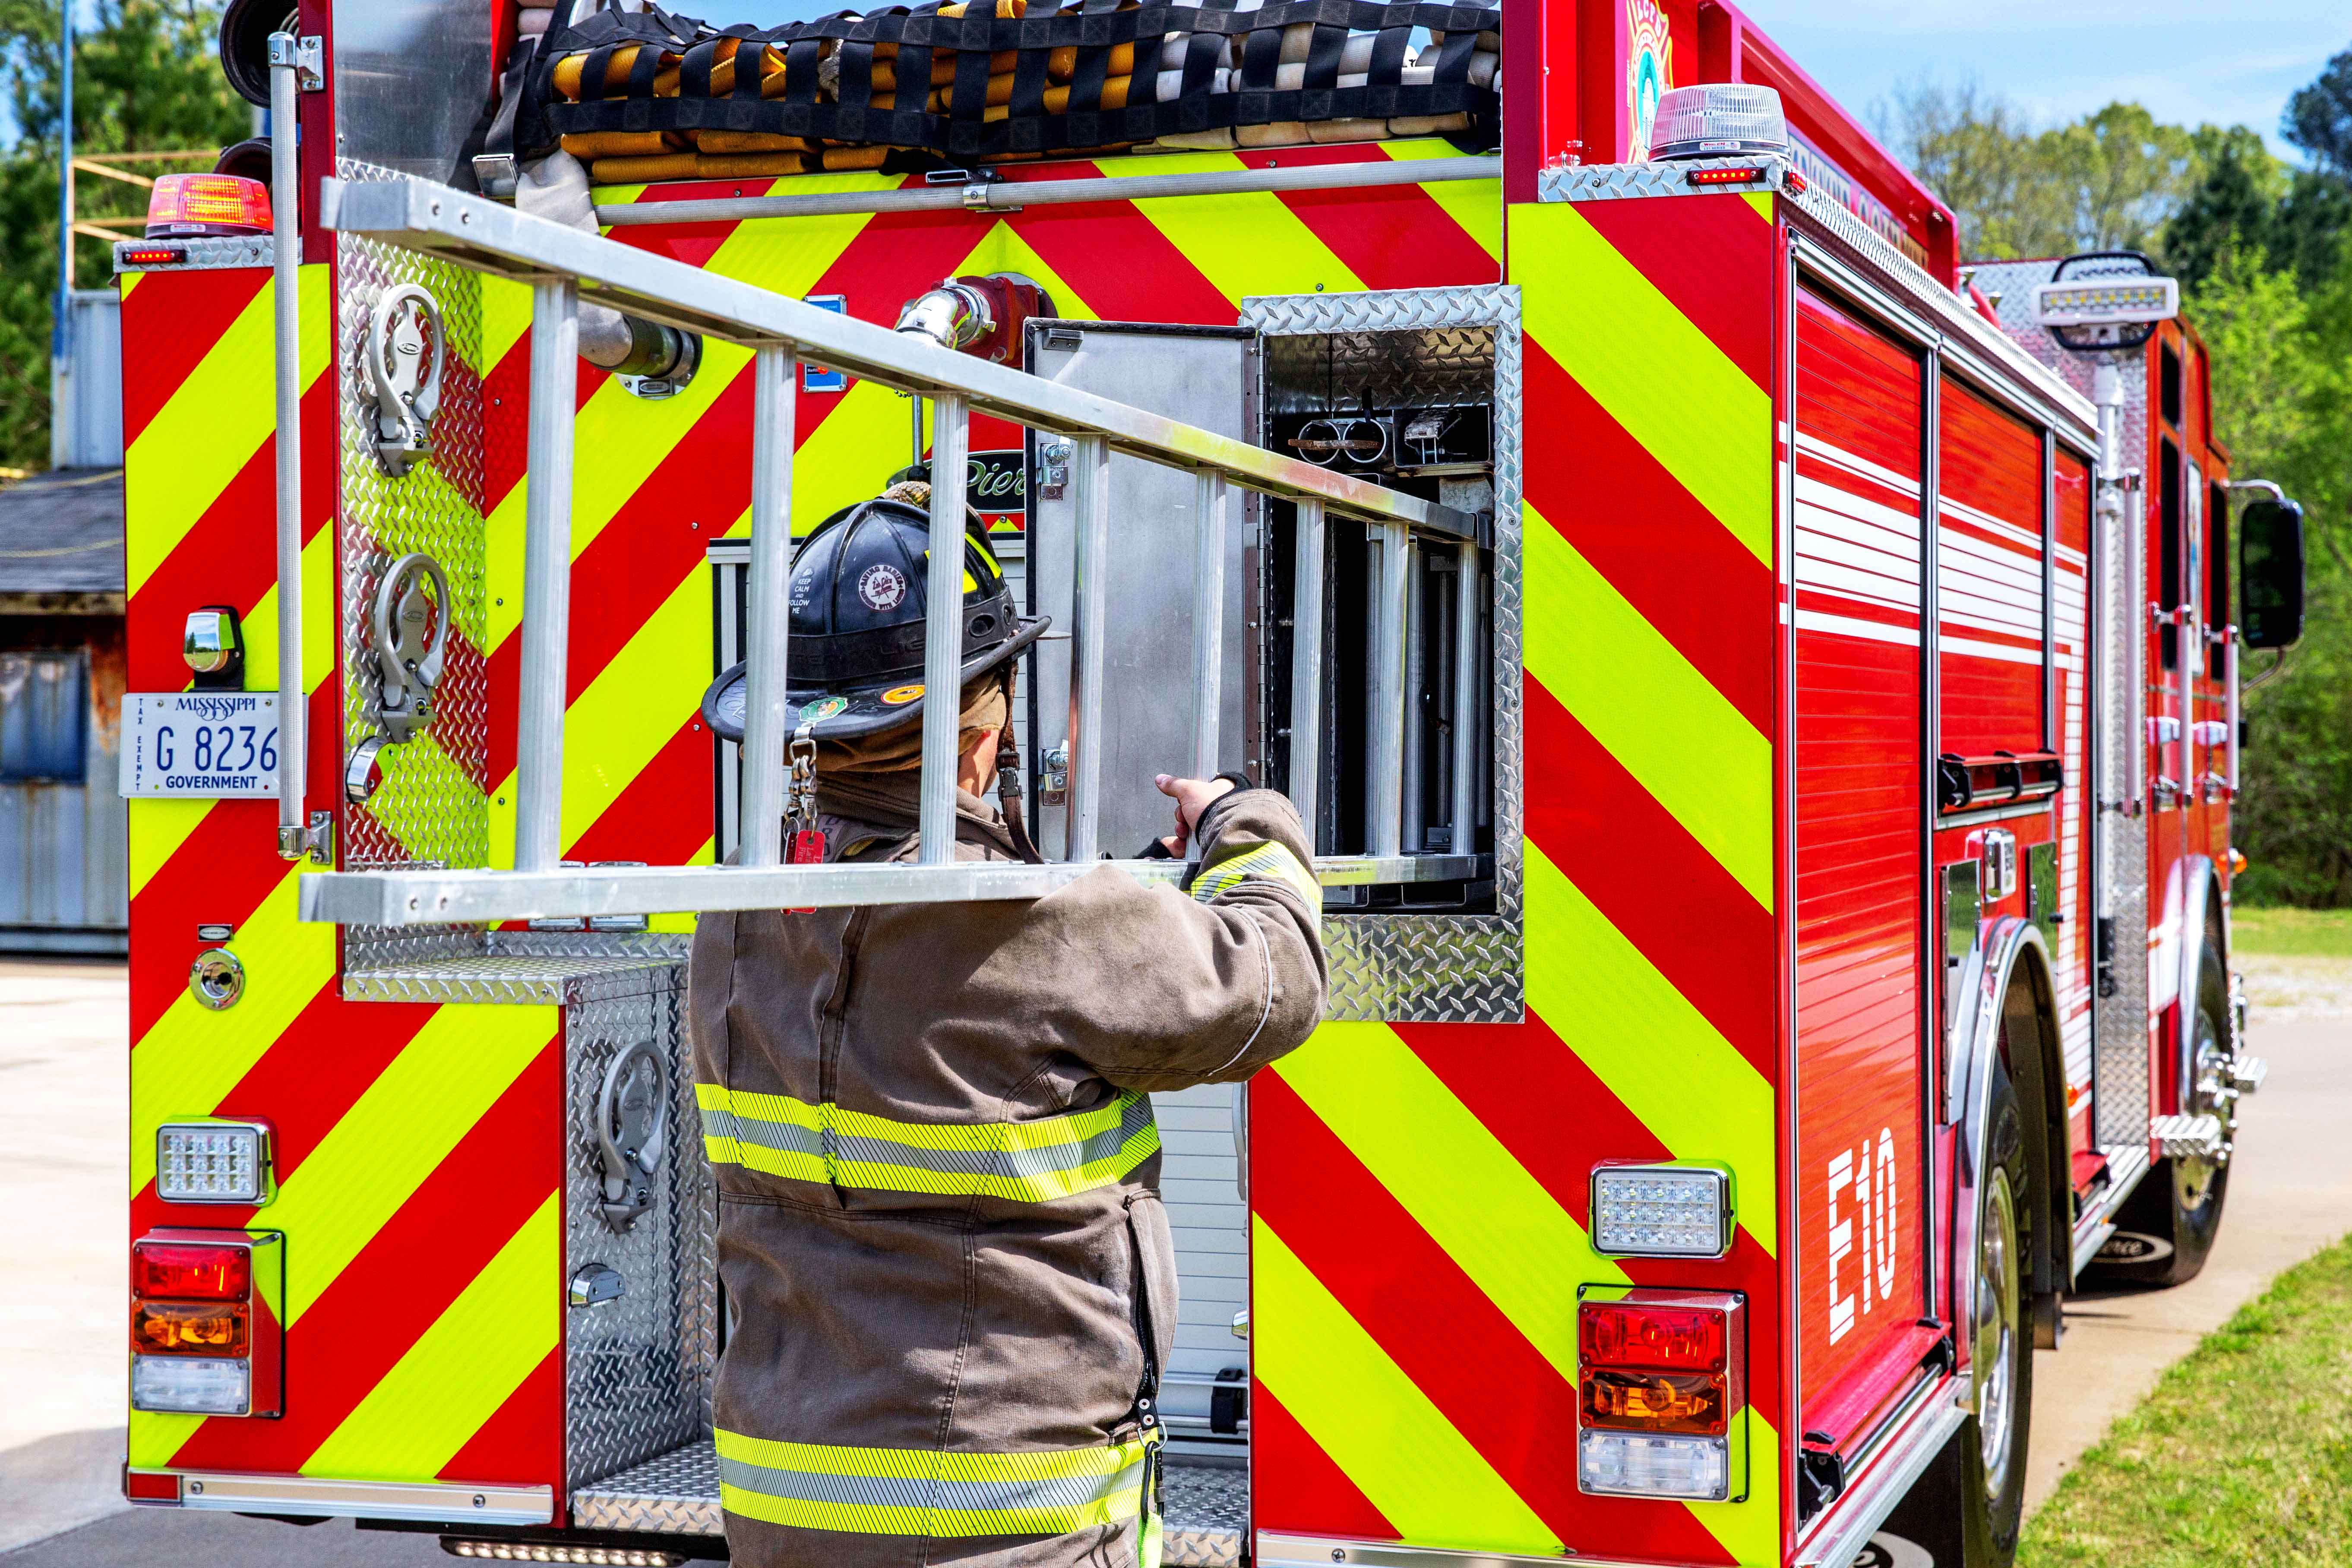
column 1192, row 797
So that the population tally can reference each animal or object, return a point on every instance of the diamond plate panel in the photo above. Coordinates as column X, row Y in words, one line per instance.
column 637, row 1370
column 1434, row 367
column 676, row 1493
column 1622, row 182
column 432, row 805
column 1441, row 968
column 1207, row 1514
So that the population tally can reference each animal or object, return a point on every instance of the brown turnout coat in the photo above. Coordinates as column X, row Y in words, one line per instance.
column 939, row 1228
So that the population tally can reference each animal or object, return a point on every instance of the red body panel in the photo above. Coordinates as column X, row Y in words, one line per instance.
column 1859, row 797
column 1989, row 565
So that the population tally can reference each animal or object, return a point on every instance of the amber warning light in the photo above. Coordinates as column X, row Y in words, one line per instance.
column 184, row 204
column 1661, row 1386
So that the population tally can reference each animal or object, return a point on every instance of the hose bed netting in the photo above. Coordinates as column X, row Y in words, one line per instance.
column 647, row 96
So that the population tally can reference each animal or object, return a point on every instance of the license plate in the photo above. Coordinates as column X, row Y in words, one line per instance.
column 204, row 744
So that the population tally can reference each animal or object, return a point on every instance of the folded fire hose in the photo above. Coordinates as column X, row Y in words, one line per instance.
column 647, row 96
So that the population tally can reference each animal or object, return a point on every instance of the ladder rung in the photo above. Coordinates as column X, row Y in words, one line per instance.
column 431, row 897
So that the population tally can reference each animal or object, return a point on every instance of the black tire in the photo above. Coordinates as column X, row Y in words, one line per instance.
column 2166, row 1228
column 2000, row 1330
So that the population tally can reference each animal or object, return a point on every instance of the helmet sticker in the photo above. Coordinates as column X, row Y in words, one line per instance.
column 824, row 708
column 899, row 696
column 882, row 586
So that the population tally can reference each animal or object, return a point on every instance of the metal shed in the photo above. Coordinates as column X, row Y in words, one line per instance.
column 64, row 884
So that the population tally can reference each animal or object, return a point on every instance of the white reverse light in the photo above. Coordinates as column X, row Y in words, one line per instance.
column 2106, row 300
column 1661, row 1211
column 212, row 1162
column 197, row 1388
column 1637, row 1464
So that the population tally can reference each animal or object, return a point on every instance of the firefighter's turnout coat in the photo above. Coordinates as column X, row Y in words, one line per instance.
column 939, row 1226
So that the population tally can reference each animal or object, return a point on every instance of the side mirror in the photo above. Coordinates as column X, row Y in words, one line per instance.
column 2270, row 574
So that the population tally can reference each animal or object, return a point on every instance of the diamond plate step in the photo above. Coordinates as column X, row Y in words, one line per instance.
column 2246, row 1073
column 676, row 1493
column 2190, row 1137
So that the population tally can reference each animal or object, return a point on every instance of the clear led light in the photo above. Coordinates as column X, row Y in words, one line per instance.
column 1661, row 1211
column 1634, row 1464
column 2141, row 300
column 209, row 1163
column 184, row 1383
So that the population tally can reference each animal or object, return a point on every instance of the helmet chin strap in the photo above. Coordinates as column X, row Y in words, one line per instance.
column 1008, row 781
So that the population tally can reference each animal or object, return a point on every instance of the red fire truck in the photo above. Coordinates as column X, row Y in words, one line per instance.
column 1767, row 701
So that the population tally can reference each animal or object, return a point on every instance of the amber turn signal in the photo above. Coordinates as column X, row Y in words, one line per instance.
column 189, row 1328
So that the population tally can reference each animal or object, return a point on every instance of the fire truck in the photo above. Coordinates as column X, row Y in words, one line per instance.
column 1766, row 698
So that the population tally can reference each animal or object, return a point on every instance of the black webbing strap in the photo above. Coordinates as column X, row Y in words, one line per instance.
column 1094, row 30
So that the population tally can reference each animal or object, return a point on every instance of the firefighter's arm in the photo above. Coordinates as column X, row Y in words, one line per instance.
column 1161, row 989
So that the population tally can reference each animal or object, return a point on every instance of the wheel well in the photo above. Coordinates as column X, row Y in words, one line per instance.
column 2037, row 1069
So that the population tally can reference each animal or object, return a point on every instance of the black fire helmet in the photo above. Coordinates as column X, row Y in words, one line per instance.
column 855, row 663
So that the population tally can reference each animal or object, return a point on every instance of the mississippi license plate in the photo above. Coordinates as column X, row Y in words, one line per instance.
column 200, row 744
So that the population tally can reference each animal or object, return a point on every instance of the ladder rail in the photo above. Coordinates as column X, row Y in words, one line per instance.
column 546, row 576
column 489, row 237
column 768, row 610
column 943, row 630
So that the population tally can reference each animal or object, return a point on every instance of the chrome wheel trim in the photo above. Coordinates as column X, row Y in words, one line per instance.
column 2193, row 1176
column 1997, row 1342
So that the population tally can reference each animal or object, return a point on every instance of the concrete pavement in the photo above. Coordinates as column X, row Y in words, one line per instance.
column 64, row 1108
column 2290, row 1195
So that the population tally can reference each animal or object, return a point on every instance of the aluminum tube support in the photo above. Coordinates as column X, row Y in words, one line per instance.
column 285, row 261
column 1012, row 196
column 1384, row 817
column 1469, row 668
column 944, row 629
column 769, row 607
column 546, row 574
column 1090, row 471
column 1208, row 617
column 1307, row 665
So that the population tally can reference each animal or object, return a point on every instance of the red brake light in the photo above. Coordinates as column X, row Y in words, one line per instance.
column 207, row 204
column 1736, row 177
column 1652, row 1337
column 154, row 254
column 190, row 1328
column 188, row 1271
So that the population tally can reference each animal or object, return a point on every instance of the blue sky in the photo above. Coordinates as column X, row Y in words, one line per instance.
column 2228, row 61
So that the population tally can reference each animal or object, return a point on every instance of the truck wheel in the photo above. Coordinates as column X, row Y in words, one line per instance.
column 2166, row 1227
column 2001, row 1353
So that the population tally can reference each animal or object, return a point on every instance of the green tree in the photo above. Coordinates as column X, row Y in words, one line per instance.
column 2107, row 182
column 145, row 79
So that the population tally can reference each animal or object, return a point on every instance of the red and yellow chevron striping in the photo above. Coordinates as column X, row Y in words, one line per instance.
column 419, row 1146
column 1421, row 1190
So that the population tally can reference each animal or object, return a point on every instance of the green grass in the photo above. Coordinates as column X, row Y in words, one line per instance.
column 2325, row 933
column 2241, row 1454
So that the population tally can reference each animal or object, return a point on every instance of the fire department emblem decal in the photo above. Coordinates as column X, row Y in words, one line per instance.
column 882, row 586
column 1649, row 70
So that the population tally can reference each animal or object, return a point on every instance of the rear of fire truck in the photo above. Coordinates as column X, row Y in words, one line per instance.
column 1776, row 869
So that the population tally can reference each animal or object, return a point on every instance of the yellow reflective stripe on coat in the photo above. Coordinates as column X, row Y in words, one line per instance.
column 927, row 1491
column 1272, row 860
column 1027, row 1161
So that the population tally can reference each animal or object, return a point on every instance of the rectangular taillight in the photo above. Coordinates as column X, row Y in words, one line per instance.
column 205, row 1336
column 1662, row 1394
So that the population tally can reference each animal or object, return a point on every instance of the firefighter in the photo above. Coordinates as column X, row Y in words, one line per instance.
column 953, row 1280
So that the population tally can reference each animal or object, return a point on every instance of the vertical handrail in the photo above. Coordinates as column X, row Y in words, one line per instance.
column 2234, row 712
column 1385, row 780
column 765, row 675
column 944, row 629
column 1208, row 615
column 1091, row 457
column 1307, row 665
column 286, row 258
column 546, row 574
column 1469, row 667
